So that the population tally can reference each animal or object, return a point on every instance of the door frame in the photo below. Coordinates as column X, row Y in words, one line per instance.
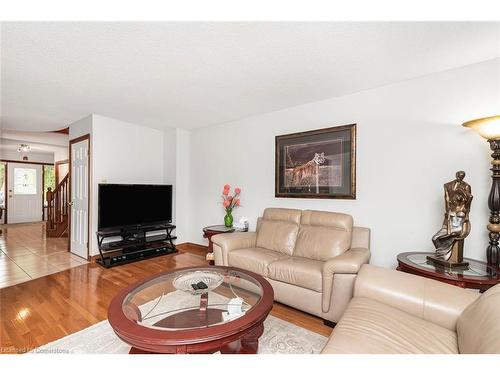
column 6, row 162
column 89, row 193
column 6, row 182
column 43, row 192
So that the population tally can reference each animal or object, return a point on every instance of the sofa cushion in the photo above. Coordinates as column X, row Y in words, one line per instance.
column 278, row 229
column 371, row 327
column 478, row 327
column 302, row 272
column 323, row 235
column 253, row 259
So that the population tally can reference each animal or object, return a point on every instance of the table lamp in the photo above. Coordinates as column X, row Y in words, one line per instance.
column 489, row 128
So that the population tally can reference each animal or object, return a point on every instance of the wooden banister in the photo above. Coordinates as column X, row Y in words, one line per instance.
column 57, row 207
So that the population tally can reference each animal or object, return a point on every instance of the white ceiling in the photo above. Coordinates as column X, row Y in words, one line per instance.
column 197, row 74
column 44, row 143
column 41, row 148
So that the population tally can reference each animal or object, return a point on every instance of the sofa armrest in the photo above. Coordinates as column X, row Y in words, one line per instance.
column 425, row 298
column 225, row 242
column 347, row 263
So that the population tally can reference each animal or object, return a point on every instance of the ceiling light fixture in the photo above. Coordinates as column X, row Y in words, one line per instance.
column 23, row 148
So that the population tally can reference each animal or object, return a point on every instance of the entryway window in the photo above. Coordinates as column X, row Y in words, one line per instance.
column 3, row 171
column 25, row 181
column 3, row 192
column 49, row 180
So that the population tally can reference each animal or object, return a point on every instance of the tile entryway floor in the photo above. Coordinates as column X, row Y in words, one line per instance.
column 26, row 254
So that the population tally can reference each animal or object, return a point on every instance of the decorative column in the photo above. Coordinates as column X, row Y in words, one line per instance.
column 493, row 250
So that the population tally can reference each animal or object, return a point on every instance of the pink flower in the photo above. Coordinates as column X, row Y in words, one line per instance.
column 237, row 190
column 237, row 202
column 225, row 192
column 227, row 187
column 226, row 203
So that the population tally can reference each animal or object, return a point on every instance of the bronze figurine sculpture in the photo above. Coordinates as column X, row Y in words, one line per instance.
column 449, row 240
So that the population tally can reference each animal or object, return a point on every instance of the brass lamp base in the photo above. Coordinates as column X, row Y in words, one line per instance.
column 445, row 263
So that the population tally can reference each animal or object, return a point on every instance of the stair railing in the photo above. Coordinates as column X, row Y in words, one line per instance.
column 57, row 203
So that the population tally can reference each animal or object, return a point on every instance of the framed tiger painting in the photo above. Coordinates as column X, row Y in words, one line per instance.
column 317, row 164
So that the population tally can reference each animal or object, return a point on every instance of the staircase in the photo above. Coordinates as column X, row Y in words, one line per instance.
column 58, row 209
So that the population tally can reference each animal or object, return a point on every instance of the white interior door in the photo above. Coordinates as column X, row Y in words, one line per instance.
column 79, row 198
column 24, row 193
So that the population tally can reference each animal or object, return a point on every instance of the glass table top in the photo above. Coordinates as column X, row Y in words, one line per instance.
column 188, row 299
column 475, row 268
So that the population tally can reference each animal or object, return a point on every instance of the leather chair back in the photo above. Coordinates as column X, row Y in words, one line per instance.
column 278, row 228
column 478, row 327
column 323, row 235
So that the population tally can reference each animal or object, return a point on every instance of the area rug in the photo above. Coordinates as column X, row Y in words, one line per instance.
column 279, row 337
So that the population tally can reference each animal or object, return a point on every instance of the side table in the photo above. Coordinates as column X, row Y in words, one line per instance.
column 478, row 275
column 210, row 231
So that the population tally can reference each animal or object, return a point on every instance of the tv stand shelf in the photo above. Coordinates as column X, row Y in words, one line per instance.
column 134, row 244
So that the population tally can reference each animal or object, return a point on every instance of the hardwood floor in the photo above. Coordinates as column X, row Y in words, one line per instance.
column 39, row 311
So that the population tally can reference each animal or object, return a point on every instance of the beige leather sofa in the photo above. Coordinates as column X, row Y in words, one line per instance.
column 394, row 312
column 311, row 258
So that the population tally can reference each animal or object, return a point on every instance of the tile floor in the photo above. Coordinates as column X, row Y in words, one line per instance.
column 26, row 254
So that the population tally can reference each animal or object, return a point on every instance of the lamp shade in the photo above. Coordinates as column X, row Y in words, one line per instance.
column 487, row 127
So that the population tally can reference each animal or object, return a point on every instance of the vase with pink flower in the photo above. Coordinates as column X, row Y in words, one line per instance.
column 229, row 202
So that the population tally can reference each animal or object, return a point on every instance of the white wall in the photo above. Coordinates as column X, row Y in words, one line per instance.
column 62, row 154
column 409, row 144
column 63, row 171
column 120, row 153
column 80, row 127
column 183, row 196
column 169, row 164
column 169, row 155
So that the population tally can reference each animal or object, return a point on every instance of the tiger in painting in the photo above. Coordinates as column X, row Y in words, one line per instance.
column 306, row 171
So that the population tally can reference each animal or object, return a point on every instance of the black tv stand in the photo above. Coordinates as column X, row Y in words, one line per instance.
column 134, row 244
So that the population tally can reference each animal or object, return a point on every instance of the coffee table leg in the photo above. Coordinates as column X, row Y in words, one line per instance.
column 138, row 351
column 250, row 342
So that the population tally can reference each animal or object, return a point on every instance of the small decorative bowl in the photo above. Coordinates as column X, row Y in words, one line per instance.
column 185, row 282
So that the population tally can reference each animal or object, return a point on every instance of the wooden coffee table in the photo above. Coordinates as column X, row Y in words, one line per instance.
column 154, row 317
column 478, row 275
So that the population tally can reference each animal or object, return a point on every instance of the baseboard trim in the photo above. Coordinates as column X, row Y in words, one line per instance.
column 187, row 245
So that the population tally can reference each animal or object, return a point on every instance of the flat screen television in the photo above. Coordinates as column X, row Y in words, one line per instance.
column 126, row 205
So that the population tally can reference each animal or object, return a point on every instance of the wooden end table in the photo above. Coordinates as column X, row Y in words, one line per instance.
column 478, row 275
column 212, row 230
column 153, row 316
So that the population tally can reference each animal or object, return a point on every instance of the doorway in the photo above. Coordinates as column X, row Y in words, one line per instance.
column 3, row 191
column 79, row 169
column 24, row 192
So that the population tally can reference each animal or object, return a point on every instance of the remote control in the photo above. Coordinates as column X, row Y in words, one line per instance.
column 202, row 285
